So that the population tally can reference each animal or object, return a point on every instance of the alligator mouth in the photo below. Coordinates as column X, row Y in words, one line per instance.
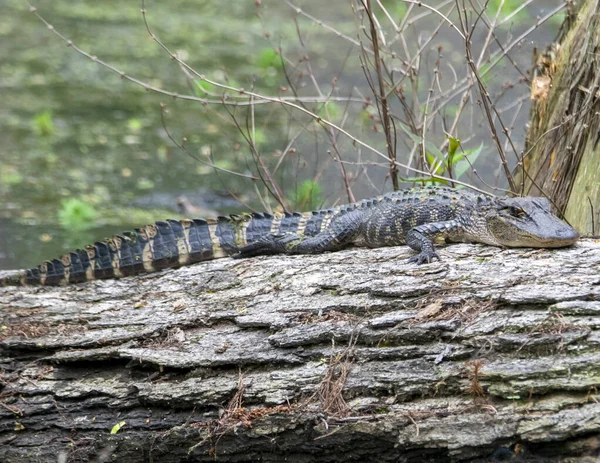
column 559, row 239
column 563, row 239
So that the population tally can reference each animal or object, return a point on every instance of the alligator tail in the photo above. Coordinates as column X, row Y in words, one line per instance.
column 169, row 244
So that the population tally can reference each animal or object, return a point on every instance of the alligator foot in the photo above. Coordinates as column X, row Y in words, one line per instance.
column 424, row 257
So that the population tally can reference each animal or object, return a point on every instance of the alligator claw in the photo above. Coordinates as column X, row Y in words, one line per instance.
column 424, row 258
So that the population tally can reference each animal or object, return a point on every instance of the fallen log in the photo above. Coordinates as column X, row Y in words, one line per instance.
column 356, row 355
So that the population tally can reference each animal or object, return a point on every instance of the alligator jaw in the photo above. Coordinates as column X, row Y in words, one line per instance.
column 562, row 237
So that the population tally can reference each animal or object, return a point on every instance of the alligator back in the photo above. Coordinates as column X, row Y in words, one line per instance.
column 168, row 244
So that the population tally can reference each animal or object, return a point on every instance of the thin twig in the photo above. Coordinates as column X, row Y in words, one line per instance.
column 485, row 98
column 182, row 147
column 381, row 98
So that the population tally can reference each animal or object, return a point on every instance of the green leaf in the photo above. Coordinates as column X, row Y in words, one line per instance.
column 269, row 58
column 418, row 140
column 43, row 124
column 202, row 88
column 484, row 72
column 134, row 125
column 433, row 149
column 434, row 164
column 408, row 132
column 117, row 427
column 462, row 164
column 452, row 147
column 429, row 146
column 76, row 214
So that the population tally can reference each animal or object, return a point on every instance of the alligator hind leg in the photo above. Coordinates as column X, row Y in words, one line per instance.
column 269, row 244
column 340, row 233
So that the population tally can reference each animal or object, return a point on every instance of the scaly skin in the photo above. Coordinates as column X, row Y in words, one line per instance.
column 417, row 217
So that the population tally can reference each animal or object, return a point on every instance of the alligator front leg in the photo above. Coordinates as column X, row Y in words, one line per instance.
column 421, row 238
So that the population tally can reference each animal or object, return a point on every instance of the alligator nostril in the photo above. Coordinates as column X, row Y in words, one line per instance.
column 568, row 233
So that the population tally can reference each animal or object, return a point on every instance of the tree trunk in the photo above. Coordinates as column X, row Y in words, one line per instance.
column 348, row 356
column 562, row 150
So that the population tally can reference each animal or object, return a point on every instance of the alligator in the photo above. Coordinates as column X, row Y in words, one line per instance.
column 418, row 217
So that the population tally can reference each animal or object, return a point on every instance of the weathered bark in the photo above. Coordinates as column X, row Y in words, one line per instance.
column 490, row 352
column 562, row 150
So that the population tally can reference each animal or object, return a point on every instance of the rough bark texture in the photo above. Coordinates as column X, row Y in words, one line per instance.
column 562, row 141
column 347, row 356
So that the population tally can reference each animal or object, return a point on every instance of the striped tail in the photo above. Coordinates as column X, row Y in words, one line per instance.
column 169, row 244
column 148, row 249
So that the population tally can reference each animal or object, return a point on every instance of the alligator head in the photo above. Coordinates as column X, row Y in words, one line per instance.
column 527, row 222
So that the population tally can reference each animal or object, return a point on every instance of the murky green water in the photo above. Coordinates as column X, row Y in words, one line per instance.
column 76, row 139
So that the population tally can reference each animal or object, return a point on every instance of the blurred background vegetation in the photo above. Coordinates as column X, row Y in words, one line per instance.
column 84, row 154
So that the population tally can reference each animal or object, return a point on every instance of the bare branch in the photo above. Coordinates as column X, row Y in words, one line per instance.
column 382, row 102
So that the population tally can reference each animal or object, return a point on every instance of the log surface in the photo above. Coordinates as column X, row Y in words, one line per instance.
column 347, row 356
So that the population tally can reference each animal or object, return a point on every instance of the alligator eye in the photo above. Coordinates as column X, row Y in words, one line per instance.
column 517, row 211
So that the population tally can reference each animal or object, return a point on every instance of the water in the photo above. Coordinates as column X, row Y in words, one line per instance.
column 72, row 130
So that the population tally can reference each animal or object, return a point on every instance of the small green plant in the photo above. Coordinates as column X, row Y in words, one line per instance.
column 269, row 58
column 452, row 164
column 117, row 427
column 134, row 125
column 43, row 123
column 309, row 196
column 76, row 214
